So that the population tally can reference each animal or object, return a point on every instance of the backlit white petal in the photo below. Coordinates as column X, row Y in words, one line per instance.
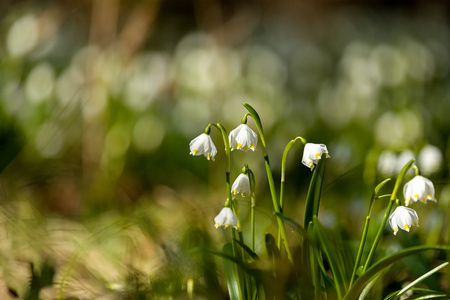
column 225, row 218
column 243, row 138
column 419, row 189
column 241, row 185
column 312, row 153
column 403, row 218
column 203, row 145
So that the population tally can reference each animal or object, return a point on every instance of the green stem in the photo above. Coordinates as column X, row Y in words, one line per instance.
column 416, row 170
column 252, row 208
column 398, row 182
column 236, row 266
column 366, row 229
column 227, row 156
column 273, row 193
column 283, row 167
column 283, row 176
column 229, row 199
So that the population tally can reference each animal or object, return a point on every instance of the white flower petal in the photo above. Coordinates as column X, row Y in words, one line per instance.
column 203, row 145
column 225, row 218
column 419, row 189
column 241, row 185
column 243, row 138
column 312, row 153
column 404, row 218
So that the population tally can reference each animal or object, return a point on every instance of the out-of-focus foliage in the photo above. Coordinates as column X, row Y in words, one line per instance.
column 99, row 100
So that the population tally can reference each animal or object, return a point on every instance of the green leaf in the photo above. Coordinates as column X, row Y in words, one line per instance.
column 330, row 253
column 418, row 280
column 314, row 191
column 314, row 268
column 369, row 286
column 231, row 273
column 365, row 278
column 380, row 185
column 296, row 226
column 247, row 249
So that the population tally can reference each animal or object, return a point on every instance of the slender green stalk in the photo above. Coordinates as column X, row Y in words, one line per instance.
column 398, row 182
column 273, row 193
column 236, row 267
column 252, row 220
column 283, row 176
column 421, row 278
column 283, row 167
column 252, row 208
column 366, row 229
column 229, row 199
column 227, row 156
column 416, row 170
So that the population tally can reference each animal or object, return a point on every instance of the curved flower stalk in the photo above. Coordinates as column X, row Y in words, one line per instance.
column 203, row 145
column 226, row 218
column 392, row 199
column 273, row 193
column 418, row 188
column 403, row 217
column 241, row 185
column 243, row 138
column 312, row 153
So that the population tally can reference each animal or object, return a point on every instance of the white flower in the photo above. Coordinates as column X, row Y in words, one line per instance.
column 403, row 217
column 241, row 185
column 225, row 218
column 418, row 188
column 386, row 163
column 430, row 159
column 312, row 153
column 203, row 145
column 243, row 138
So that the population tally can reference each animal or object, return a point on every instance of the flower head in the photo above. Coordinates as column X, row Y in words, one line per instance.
column 241, row 185
column 312, row 153
column 203, row 145
column 225, row 218
column 403, row 217
column 418, row 188
column 243, row 138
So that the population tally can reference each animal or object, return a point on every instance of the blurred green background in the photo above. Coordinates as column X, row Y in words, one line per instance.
column 99, row 100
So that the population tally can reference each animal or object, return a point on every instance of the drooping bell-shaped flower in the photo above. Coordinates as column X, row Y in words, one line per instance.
column 203, row 145
column 243, row 138
column 225, row 218
column 403, row 217
column 418, row 189
column 241, row 185
column 312, row 153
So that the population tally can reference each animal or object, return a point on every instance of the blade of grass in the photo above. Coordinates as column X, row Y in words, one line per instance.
column 336, row 268
column 365, row 278
column 421, row 278
column 421, row 290
column 369, row 286
column 247, row 249
column 314, row 191
column 232, row 279
column 314, row 269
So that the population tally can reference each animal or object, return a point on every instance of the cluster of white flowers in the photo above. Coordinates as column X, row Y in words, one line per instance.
column 418, row 188
column 244, row 138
